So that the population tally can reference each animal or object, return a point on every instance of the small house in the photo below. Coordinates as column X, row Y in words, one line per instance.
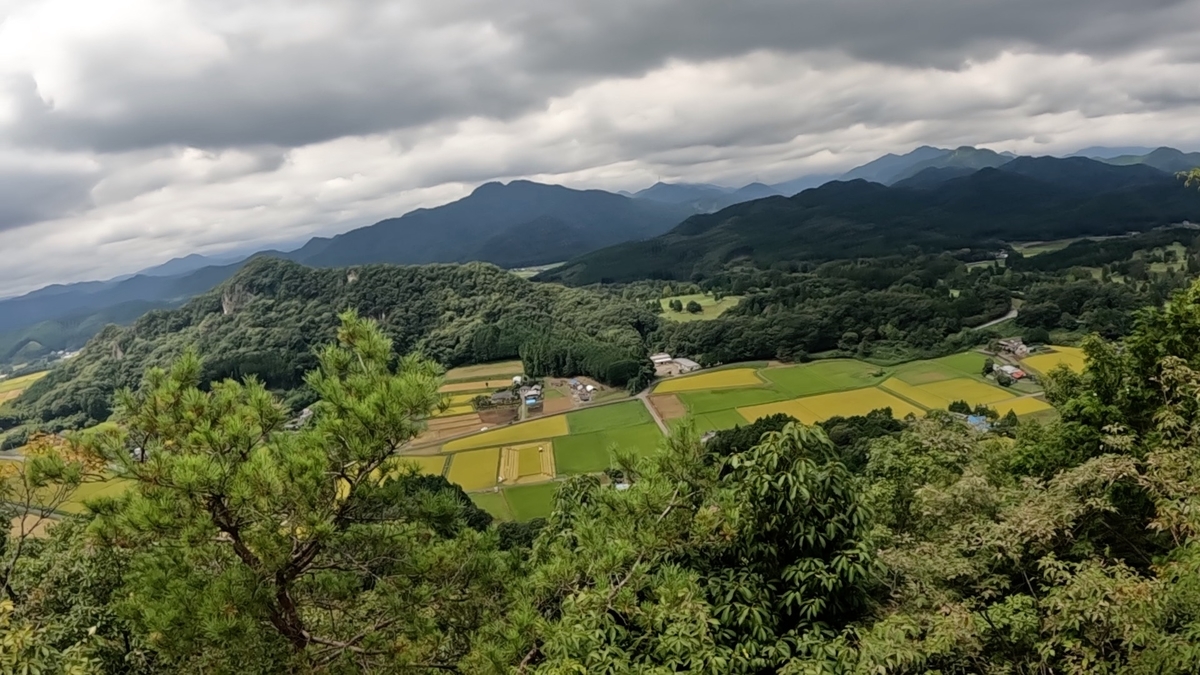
column 687, row 365
column 660, row 358
column 1015, row 346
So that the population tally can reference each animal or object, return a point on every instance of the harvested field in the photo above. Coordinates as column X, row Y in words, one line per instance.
column 486, row 370
column 476, row 469
column 668, row 406
column 557, row 405
column 717, row 379
column 612, row 416
column 545, row 427
column 822, row 377
column 1072, row 357
column 30, row 526
column 813, row 409
column 531, row 463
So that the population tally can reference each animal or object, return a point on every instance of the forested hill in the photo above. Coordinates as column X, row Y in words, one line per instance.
column 1026, row 199
column 519, row 224
column 268, row 318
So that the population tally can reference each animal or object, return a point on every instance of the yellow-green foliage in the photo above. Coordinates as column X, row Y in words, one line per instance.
column 717, row 379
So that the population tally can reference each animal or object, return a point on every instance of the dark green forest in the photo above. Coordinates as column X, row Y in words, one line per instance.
column 866, row 545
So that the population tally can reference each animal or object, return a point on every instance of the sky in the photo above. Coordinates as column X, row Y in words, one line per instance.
column 134, row 131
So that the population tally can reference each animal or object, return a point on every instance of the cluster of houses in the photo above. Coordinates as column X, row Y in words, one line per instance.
column 582, row 391
column 665, row 365
column 530, row 395
column 1012, row 371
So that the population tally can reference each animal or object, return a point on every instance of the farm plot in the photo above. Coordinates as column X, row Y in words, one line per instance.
column 486, row 371
column 612, row 416
column 669, row 406
column 494, row 503
column 514, row 434
column 1026, row 405
column 12, row 388
column 941, row 394
column 475, row 469
column 822, row 377
column 1072, row 357
column 717, row 379
column 531, row 501
column 590, row 452
column 433, row 465
column 813, row 409
column 530, row 463
column 969, row 364
column 699, row 402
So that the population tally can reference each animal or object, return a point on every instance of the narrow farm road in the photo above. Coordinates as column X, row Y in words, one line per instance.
column 645, row 399
column 1012, row 314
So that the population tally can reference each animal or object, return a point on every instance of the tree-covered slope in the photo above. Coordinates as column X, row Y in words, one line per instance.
column 1044, row 199
column 267, row 319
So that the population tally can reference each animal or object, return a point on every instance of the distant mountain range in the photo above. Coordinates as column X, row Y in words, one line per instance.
column 525, row 224
column 944, row 206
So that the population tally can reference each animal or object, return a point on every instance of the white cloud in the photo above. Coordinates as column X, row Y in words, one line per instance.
column 136, row 130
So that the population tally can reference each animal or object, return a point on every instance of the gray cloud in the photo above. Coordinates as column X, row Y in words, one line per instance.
column 134, row 130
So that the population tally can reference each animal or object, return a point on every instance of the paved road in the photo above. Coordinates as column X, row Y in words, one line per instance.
column 1012, row 314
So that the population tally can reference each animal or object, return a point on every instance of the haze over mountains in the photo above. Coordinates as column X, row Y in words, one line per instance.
column 617, row 236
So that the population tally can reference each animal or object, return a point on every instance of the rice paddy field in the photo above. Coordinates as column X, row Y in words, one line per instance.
column 11, row 388
column 1072, row 357
column 816, row 391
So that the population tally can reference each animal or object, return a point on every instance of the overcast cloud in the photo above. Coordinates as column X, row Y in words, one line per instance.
column 133, row 131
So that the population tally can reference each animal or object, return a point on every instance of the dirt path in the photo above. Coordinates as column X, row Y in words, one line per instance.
column 644, row 397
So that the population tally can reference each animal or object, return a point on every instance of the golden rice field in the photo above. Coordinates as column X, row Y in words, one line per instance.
column 1072, row 357
column 433, row 465
column 813, row 409
column 513, row 434
column 475, row 469
column 530, row 463
column 717, row 379
column 1022, row 406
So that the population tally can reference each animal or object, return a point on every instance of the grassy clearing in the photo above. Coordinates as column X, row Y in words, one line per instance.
column 531, row 501
column 546, row 427
column 475, row 470
column 813, row 409
column 590, row 452
column 710, row 309
column 1044, row 363
column 1032, row 248
column 494, row 503
column 821, row 377
column 717, row 379
column 613, row 416
column 486, row 371
column 552, row 394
